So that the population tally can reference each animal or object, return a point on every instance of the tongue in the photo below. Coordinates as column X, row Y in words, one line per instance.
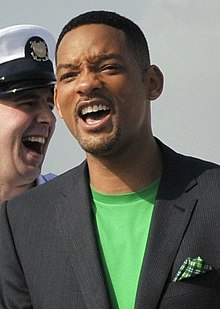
column 93, row 118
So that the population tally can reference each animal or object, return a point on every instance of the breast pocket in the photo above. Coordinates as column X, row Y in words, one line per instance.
column 201, row 292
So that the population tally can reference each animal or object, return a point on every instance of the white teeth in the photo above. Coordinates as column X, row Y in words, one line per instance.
column 93, row 109
column 38, row 139
column 90, row 109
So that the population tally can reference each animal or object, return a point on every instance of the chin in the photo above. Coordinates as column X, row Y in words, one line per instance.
column 103, row 149
column 100, row 146
column 32, row 173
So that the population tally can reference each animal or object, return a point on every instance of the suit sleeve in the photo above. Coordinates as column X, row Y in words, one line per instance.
column 13, row 288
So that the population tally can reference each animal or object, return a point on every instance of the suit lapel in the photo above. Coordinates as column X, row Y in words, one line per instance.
column 76, row 221
column 173, row 210
column 167, row 229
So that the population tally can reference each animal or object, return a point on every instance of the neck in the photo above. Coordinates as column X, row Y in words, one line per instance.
column 126, row 172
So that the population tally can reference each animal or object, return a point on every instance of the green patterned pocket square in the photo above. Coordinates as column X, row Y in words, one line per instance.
column 192, row 268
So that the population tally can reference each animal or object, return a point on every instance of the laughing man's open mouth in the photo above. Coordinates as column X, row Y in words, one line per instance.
column 34, row 143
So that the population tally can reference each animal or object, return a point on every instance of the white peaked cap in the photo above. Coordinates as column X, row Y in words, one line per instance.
column 26, row 58
column 14, row 38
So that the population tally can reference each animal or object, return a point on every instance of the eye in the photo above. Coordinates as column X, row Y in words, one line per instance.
column 29, row 103
column 68, row 76
column 51, row 105
column 111, row 68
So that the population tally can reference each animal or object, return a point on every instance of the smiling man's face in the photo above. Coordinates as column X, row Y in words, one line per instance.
column 27, row 124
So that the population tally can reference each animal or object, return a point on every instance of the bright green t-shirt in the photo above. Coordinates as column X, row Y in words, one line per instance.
column 123, row 222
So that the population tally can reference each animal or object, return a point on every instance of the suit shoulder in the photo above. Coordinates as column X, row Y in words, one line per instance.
column 47, row 193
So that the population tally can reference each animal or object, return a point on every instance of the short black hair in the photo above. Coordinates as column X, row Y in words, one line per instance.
column 134, row 35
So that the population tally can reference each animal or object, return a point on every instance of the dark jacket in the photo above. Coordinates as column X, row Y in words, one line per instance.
column 49, row 257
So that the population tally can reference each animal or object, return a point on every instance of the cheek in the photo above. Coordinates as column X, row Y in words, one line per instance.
column 12, row 126
column 10, row 137
column 125, row 88
column 66, row 111
column 64, row 100
column 6, row 138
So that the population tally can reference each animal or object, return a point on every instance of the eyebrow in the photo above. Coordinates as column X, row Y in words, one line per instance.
column 97, row 58
column 66, row 66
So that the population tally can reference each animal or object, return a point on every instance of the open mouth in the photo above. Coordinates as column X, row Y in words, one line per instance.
column 34, row 143
column 94, row 114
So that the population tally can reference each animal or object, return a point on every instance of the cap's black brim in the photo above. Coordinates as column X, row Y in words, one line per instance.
column 26, row 85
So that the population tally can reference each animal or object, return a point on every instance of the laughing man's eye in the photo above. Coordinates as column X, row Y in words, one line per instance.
column 51, row 105
column 27, row 103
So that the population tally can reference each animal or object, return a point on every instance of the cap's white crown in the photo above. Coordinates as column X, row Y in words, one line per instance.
column 14, row 38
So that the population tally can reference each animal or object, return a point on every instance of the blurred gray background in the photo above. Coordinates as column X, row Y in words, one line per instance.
column 184, row 41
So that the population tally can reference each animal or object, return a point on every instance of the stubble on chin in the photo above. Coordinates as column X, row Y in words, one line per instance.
column 99, row 146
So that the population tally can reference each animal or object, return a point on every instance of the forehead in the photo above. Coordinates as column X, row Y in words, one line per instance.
column 91, row 40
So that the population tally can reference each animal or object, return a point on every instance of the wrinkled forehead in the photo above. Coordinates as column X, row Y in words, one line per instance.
column 91, row 39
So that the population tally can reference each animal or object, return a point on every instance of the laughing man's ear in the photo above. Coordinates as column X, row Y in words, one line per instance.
column 56, row 102
column 155, row 82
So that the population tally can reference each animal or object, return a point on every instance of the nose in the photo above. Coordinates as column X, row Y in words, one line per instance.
column 45, row 115
column 87, row 83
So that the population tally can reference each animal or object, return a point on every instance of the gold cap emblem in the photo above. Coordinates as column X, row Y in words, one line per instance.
column 37, row 48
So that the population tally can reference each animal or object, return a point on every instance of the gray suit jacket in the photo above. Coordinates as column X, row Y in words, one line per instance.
column 49, row 257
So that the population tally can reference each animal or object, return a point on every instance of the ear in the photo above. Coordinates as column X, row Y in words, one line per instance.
column 56, row 102
column 154, row 82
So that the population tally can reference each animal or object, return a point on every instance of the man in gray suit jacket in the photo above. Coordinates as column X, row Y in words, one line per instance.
column 134, row 226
